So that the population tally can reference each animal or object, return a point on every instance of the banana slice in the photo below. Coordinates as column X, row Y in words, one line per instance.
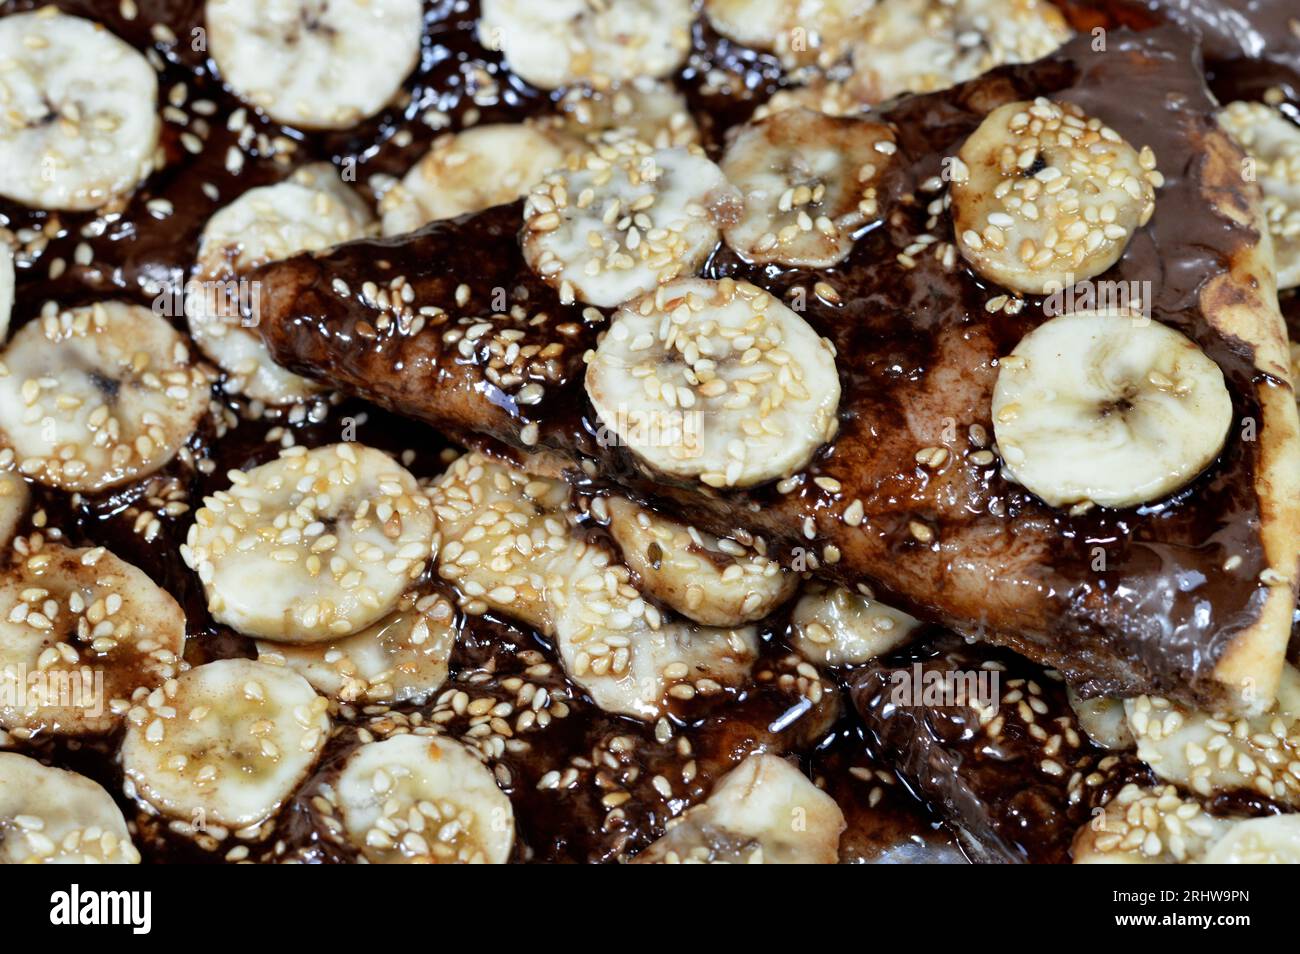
column 80, row 123
column 809, row 183
column 501, row 532
column 6, row 287
column 923, row 46
column 1102, row 719
column 319, row 64
column 14, row 498
column 624, row 220
column 622, row 651
column 82, row 634
column 562, row 42
column 98, row 395
column 1096, row 406
column 832, row 626
column 764, row 811
column 715, row 380
column 402, row 658
column 1148, row 826
column 644, row 109
column 226, row 743
column 1213, row 753
column 53, row 816
column 471, row 171
column 415, row 799
column 1048, row 196
column 309, row 211
column 1273, row 141
column 1273, row 840
column 712, row 581
column 311, row 547
column 800, row 32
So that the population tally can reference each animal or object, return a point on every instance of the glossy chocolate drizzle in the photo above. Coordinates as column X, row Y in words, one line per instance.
column 137, row 253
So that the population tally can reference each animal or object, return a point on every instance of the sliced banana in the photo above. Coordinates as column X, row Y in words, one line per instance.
column 402, row 658
column 764, row 811
column 82, row 634
column 80, row 123
column 799, row 32
column 470, row 171
column 311, row 547
column 98, row 395
column 501, row 532
column 14, row 498
column 644, row 109
column 713, row 581
column 53, row 816
column 715, row 380
column 226, row 743
column 1102, row 719
column 1148, row 826
column 620, row 649
column 416, row 799
column 311, row 210
column 562, row 42
column 833, row 626
column 1212, row 753
column 1047, row 196
column 6, row 287
column 1273, row 141
column 923, row 46
column 319, row 64
column 1272, row 840
column 1102, row 408
column 624, row 220
column 809, row 183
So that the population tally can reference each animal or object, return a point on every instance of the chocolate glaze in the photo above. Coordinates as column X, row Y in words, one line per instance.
column 456, row 84
column 916, row 354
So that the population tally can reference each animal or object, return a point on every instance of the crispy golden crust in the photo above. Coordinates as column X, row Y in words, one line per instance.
column 1242, row 304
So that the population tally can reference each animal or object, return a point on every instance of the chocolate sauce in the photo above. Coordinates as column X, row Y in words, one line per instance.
column 136, row 253
column 1121, row 600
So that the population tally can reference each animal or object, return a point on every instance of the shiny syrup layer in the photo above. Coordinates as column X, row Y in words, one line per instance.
column 133, row 251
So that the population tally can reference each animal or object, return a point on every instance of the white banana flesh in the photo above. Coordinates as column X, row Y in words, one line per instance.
column 764, row 811
column 1158, row 826
column 717, row 381
column 80, row 124
column 14, row 498
column 800, row 32
column 404, row 657
column 53, row 816
column 311, row 547
column 809, row 184
column 6, row 287
column 833, row 626
column 923, row 46
column 83, row 636
column 562, row 42
column 624, row 220
column 1103, row 720
column 225, row 744
column 713, row 581
column 644, row 109
column 501, row 531
column 310, row 211
column 624, row 653
column 471, row 171
column 417, row 799
column 317, row 64
column 1109, row 409
column 1210, row 753
column 1273, row 143
column 97, row 396
column 1046, row 196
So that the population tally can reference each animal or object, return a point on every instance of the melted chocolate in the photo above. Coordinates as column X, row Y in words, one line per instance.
column 916, row 352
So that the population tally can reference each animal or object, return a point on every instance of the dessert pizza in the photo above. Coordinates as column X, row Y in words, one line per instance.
column 706, row 431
